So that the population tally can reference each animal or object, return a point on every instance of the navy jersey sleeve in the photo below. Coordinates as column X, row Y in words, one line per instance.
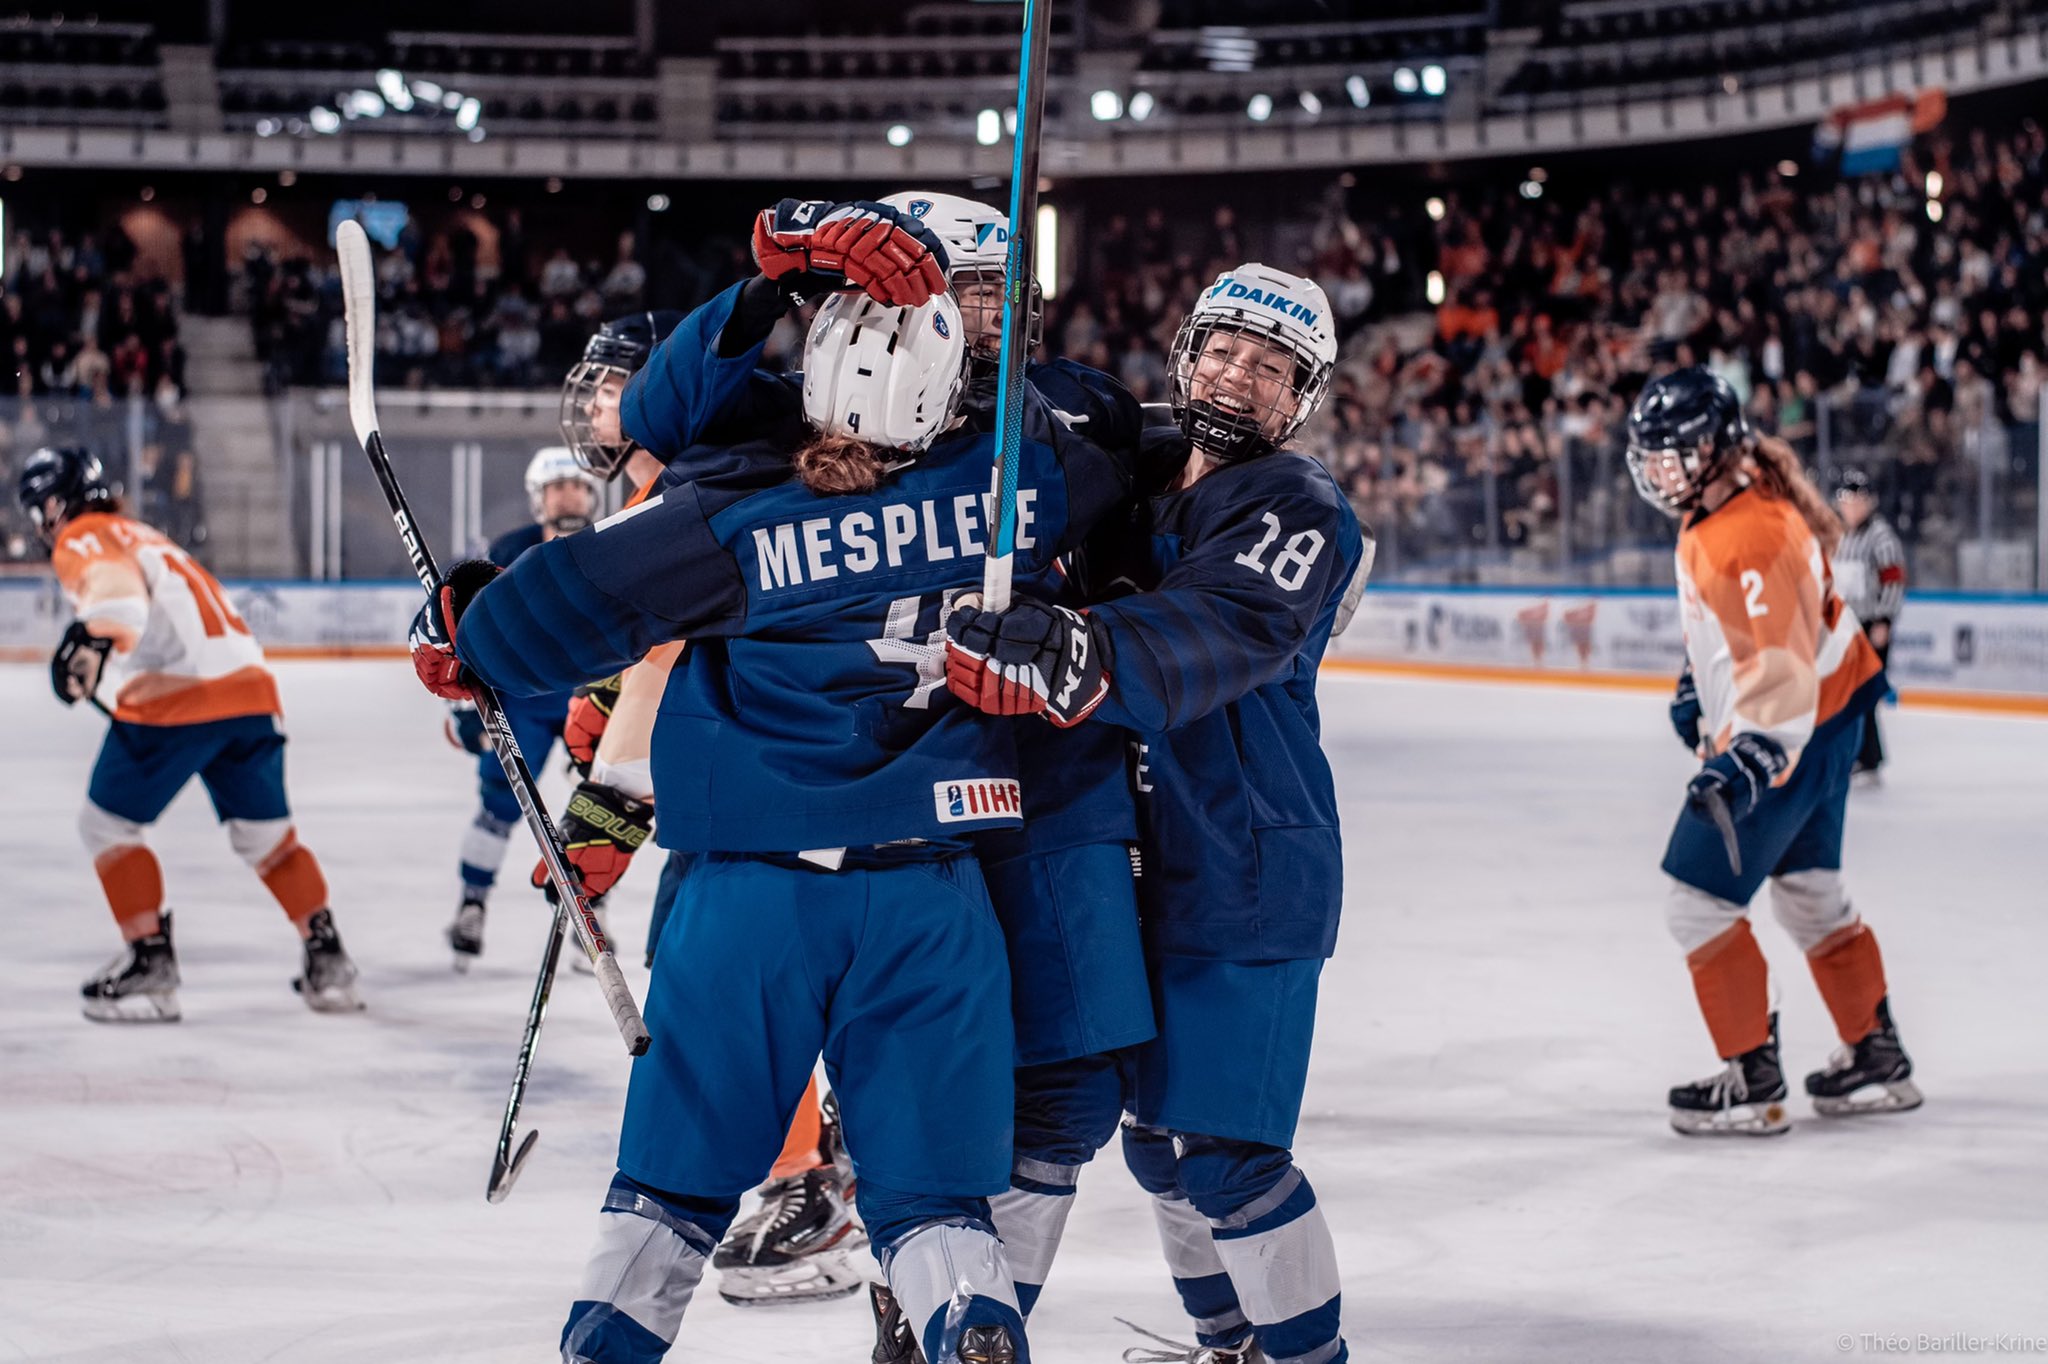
column 589, row 604
column 686, row 383
column 1258, row 570
column 1097, row 475
column 513, row 543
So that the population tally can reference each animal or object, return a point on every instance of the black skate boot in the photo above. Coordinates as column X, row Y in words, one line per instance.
column 466, row 934
column 987, row 1345
column 1245, row 1351
column 1745, row 1100
column 140, row 985
column 797, row 1246
column 327, row 980
column 895, row 1342
column 1874, row 1076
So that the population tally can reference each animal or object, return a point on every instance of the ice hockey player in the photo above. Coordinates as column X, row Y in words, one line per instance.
column 1215, row 610
column 193, row 698
column 563, row 498
column 1870, row 573
column 786, row 590
column 1779, row 678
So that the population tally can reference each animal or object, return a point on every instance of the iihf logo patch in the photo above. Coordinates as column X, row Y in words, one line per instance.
column 939, row 325
column 981, row 798
column 920, row 207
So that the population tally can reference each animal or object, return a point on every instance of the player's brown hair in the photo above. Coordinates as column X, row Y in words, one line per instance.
column 1779, row 471
column 831, row 465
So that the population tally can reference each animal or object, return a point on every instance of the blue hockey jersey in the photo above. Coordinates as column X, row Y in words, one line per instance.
column 1215, row 610
column 815, row 714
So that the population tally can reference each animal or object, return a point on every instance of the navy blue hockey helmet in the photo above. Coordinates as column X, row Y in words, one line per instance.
column 613, row 355
column 69, row 474
column 1683, row 432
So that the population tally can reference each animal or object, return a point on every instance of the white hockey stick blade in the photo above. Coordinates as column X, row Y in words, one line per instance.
column 359, row 304
column 503, row 1176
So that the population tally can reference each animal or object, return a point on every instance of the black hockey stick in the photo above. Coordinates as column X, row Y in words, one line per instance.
column 507, row 1163
column 1715, row 805
column 359, row 299
column 1017, row 276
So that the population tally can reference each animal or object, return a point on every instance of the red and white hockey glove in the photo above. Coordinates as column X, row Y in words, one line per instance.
column 1033, row 659
column 590, row 710
column 433, row 630
column 601, row 830
column 889, row 255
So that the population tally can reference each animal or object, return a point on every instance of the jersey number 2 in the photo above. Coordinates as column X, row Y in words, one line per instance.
column 1752, row 594
column 1296, row 557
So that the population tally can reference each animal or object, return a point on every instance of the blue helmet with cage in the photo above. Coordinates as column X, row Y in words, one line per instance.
column 1684, row 431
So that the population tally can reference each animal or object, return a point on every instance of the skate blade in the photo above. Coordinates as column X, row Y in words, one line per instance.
column 463, row 961
column 818, row 1277
column 338, row 999
column 159, row 1006
column 1742, row 1120
column 1892, row 1096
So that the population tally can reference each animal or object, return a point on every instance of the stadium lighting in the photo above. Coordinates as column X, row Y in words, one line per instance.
column 1433, row 288
column 1310, row 105
column 258, row 195
column 476, row 134
column 324, row 119
column 1404, row 80
column 1434, row 82
column 1788, row 168
column 1106, row 105
column 1259, row 108
column 1434, row 207
column 268, row 127
column 1227, row 48
column 392, row 86
column 1934, row 210
column 466, row 116
column 1141, row 105
column 1010, row 120
column 1355, row 87
column 428, row 91
column 1532, row 189
column 657, row 203
column 363, row 104
column 1934, row 184
column 286, row 177
column 899, row 134
column 1047, row 249
column 147, row 195
column 451, row 99
column 988, row 127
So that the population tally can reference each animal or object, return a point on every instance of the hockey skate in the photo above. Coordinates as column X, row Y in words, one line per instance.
column 1747, row 1099
column 1245, row 1351
column 895, row 1342
column 796, row 1247
column 140, row 985
column 1874, row 1076
column 327, row 980
column 466, row 934
column 579, row 960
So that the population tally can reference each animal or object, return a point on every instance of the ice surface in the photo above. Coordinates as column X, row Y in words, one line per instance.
column 1484, row 1122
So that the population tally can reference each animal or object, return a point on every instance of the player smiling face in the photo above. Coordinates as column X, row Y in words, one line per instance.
column 1248, row 375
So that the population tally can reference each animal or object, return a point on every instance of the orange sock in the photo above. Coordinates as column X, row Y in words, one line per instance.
column 1733, row 985
column 293, row 876
column 1849, row 970
column 134, row 884
column 800, row 1148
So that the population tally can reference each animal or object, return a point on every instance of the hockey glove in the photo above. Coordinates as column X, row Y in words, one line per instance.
column 1685, row 710
column 590, row 710
column 1032, row 659
column 891, row 256
column 433, row 630
column 1739, row 776
column 464, row 728
column 601, row 830
column 75, row 667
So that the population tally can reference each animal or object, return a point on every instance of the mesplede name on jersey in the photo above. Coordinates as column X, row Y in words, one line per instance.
column 978, row 798
column 928, row 531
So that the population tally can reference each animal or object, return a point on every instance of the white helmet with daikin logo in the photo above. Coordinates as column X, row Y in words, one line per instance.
column 888, row 376
column 1251, row 362
column 977, row 238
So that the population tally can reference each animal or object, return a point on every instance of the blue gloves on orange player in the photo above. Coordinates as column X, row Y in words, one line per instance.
column 888, row 254
column 1685, row 710
column 1739, row 775
column 1033, row 659
column 433, row 630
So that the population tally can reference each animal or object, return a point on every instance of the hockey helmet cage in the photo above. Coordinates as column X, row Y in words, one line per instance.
column 1684, row 430
column 70, row 474
column 614, row 353
column 977, row 238
column 558, row 464
column 1252, row 317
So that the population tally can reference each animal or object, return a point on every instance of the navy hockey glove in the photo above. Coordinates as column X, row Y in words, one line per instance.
column 601, row 830
column 1738, row 777
column 1685, row 710
column 75, row 667
column 1032, row 659
column 464, row 728
column 433, row 630
column 891, row 256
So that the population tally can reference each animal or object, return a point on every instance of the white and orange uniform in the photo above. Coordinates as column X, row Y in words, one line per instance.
column 1774, row 651
column 181, row 658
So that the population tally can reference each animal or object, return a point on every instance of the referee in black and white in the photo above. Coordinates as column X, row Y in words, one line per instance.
column 1870, row 573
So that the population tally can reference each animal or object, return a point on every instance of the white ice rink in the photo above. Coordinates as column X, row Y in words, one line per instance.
column 1484, row 1121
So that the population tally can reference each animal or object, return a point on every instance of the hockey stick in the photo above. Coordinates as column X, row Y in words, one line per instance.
column 1716, row 806
column 359, row 301
column 505, row 1162
column 1016, row 347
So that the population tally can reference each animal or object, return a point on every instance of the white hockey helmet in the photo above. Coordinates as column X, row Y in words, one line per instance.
column 554, row 464
column 977, row 238
column 888, row 376
column 1289, row 317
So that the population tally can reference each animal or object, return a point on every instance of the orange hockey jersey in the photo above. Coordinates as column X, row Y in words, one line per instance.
column 1773, row 648
column 181, row 655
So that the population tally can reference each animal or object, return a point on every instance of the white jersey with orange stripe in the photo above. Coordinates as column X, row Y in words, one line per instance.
column 181, row 654
column 1773, row 649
